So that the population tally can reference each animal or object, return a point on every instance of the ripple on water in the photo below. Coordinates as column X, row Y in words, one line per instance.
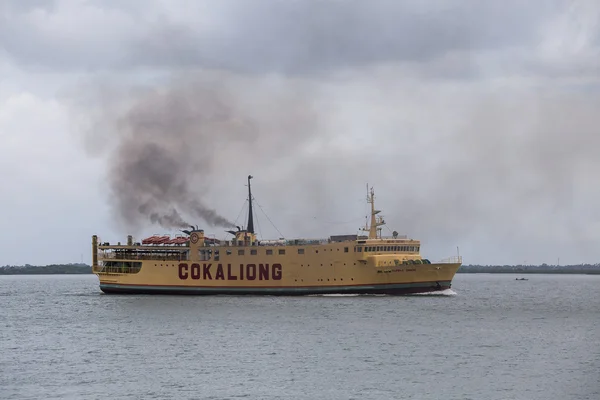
column 487, row 338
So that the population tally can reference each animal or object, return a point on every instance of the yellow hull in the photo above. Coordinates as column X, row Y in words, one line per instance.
column 320, row 269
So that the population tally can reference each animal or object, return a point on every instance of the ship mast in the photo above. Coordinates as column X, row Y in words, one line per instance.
column 376, row 221
column 250, row 227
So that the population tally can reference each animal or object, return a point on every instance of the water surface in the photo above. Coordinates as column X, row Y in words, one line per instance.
column 491, row 337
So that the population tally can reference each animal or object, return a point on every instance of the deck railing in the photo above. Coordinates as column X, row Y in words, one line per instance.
column 392, row 237
column 119, row 267
column 234, row 243
column 451, row 260
column 142, row 256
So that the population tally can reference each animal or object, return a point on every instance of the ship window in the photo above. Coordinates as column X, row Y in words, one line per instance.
column 281, row 251
column 240, row 252
column 253, row 252
column 269, row 252
column 378, row 248
column 228, row 252
column 388, row 248
column 300, row 251
column 204, row 255
column 417, row 248
column 345, row 249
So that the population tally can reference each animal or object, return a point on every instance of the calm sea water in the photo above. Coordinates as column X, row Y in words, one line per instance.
column 491, row 337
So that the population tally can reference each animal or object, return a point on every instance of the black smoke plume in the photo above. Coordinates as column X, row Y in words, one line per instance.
column 161, row 141
column 165, row 141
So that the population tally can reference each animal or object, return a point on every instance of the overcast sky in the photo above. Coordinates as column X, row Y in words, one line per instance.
column 477, row 122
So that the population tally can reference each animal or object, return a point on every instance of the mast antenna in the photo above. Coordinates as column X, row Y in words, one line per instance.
column 250, row 227
column 376, row 221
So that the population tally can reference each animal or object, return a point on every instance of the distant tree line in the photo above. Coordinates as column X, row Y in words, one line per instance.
column 46, row 269
column 532, row 269
column 79, row 268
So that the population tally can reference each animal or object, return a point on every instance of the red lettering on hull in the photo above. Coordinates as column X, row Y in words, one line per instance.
column 183, row 271
column 229, row 276
column 206, row 272
column 220, row 275
column 251, row 272
column 195, row 271
column 248, row 272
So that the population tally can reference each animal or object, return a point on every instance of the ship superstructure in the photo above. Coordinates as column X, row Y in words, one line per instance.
column 193, row 263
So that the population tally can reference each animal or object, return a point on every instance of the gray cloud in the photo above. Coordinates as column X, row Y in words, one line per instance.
column 476, row 121
column 271, row 36
column 21, row 6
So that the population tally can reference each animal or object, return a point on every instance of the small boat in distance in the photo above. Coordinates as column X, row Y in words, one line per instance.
column 342, row 264
column 521, row 279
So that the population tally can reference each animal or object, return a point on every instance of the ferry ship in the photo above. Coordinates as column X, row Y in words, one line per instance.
column 193, row 263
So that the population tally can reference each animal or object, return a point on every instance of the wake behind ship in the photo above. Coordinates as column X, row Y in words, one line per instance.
column 195, row 264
